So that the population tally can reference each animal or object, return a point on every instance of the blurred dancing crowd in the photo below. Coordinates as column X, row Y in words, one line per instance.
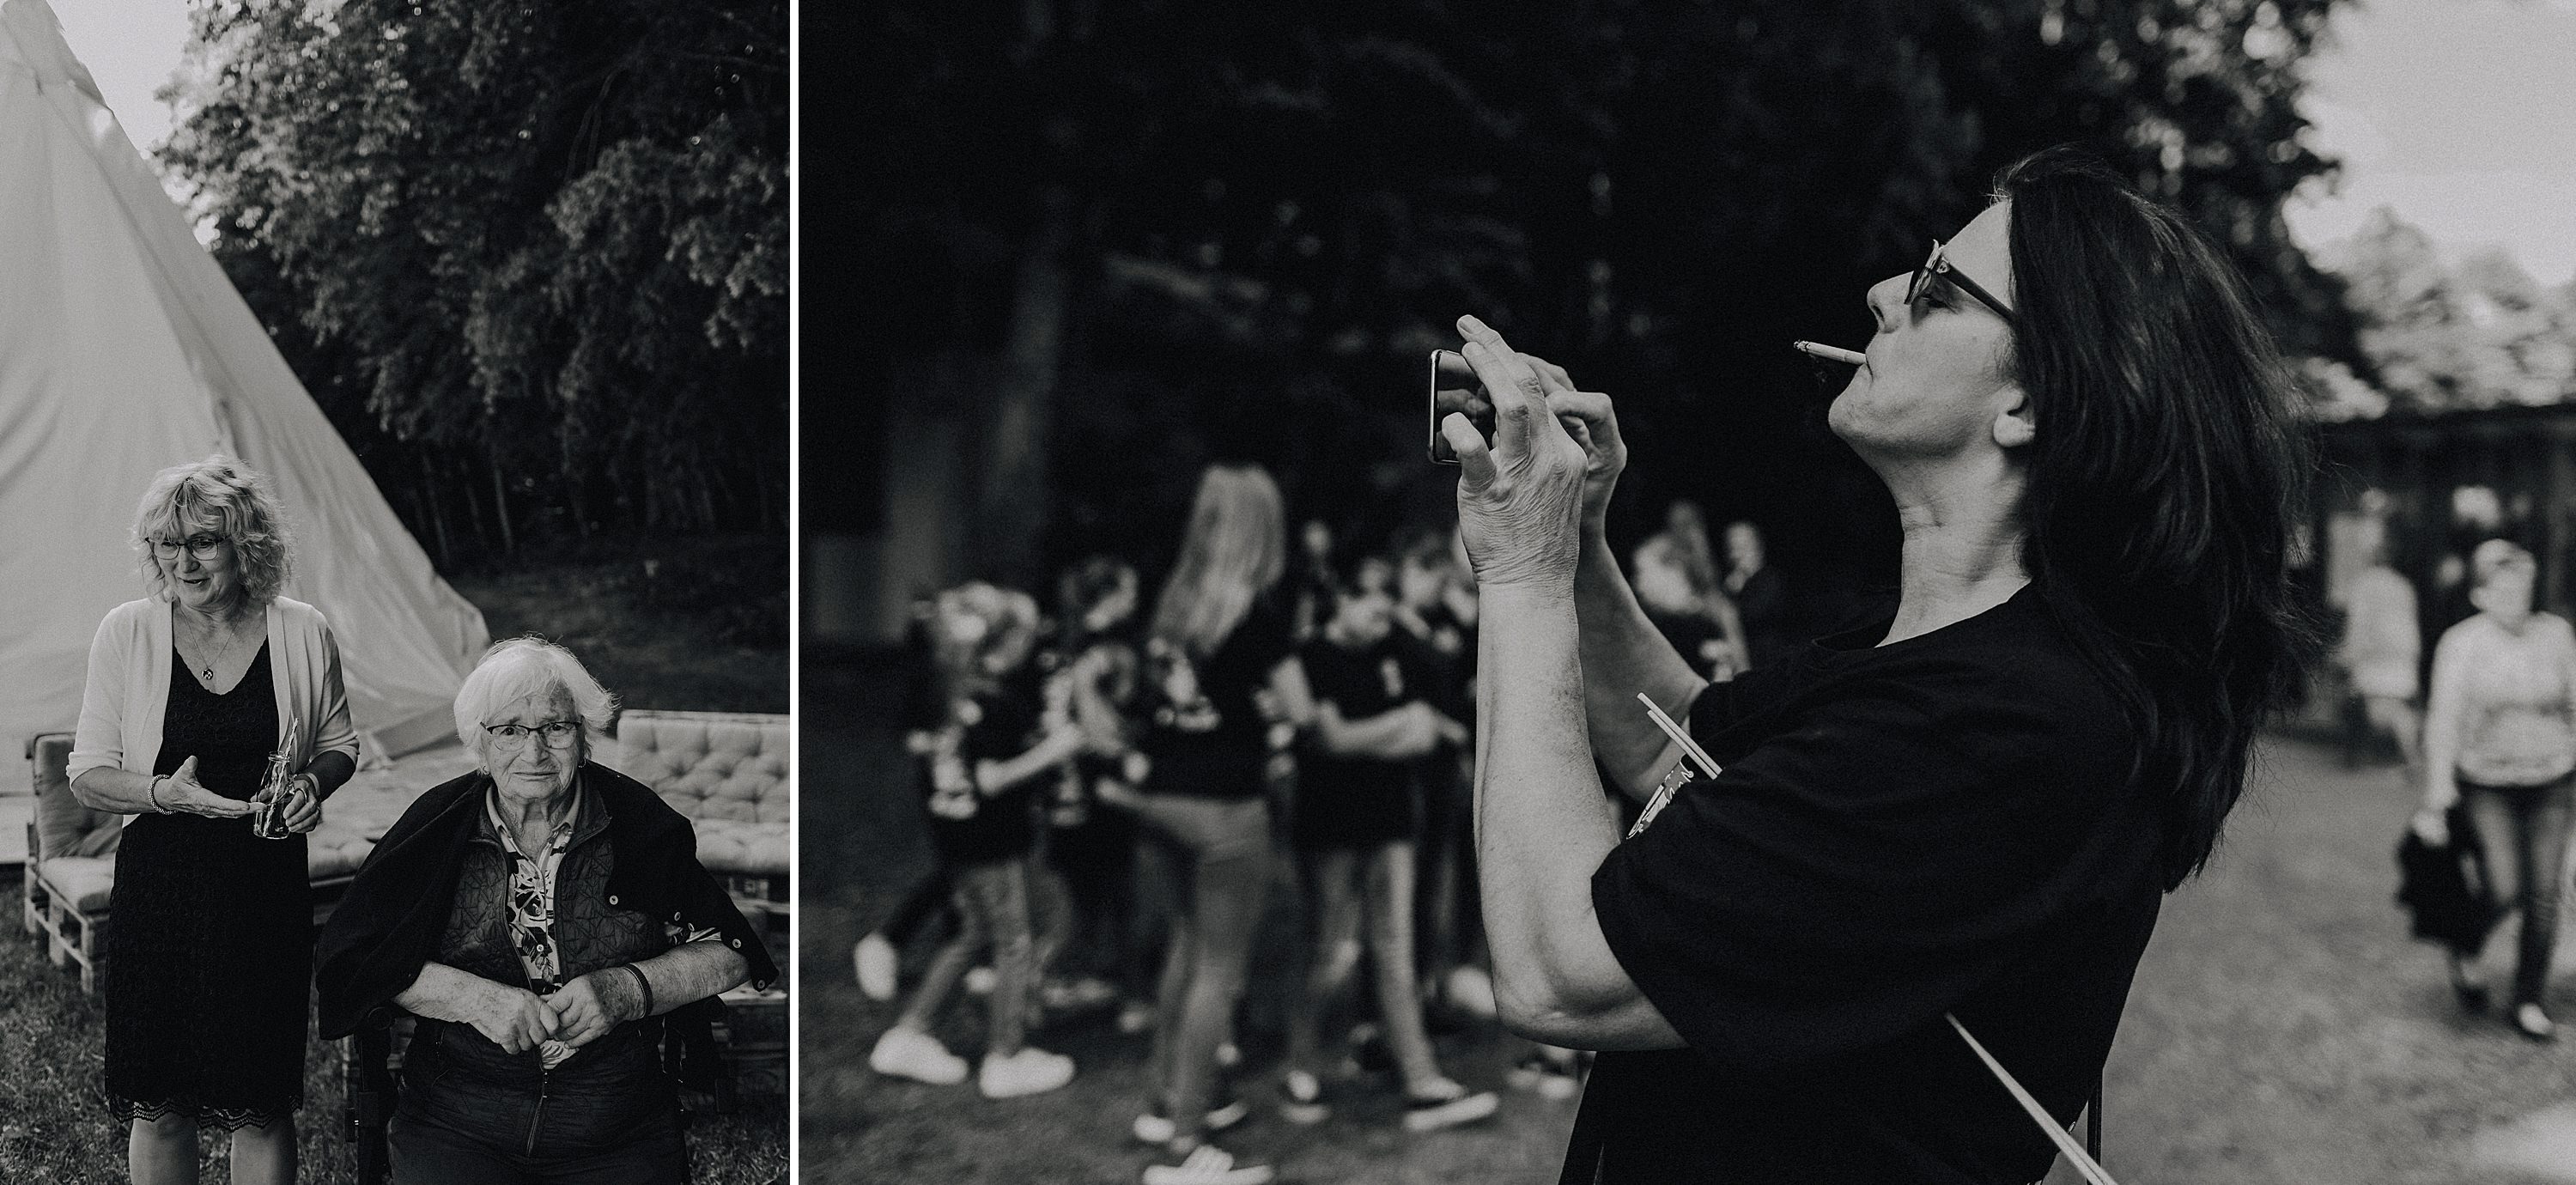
column 1108, row 777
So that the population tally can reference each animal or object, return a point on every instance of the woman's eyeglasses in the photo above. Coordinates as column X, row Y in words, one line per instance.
column 202, row 545
column 558, row 733
column 1939, row 265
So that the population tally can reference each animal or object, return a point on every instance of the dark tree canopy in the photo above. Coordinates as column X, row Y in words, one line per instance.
column 534, row 253
column 1282, row 207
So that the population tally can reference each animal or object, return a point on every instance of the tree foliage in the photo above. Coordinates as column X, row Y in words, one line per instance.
column 2443, row 338
column 540, row 247
column 1284, row 206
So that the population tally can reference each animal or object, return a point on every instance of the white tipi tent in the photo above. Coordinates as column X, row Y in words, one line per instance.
column 123, row 351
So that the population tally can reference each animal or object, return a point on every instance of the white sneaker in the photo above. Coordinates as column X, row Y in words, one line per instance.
column 1304, row 1104
column 981, row 980
column 1443, row 1103
column 1030, row 1071
column 902, row 1053
column 1154, row 1127
column 1209, row 1165
column 876, row 962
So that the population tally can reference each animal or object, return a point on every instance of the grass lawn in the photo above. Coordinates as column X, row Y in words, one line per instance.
column 54, row 1125
column 703, row 629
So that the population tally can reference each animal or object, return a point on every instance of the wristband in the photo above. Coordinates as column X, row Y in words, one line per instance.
column 153, row 788
column 641, row 984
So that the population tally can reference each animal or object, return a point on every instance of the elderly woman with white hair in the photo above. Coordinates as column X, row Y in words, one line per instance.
column 191, row 691
column 541, row 916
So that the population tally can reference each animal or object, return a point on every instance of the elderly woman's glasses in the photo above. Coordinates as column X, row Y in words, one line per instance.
column 558, row 733
column 202, row 545
column 1939, row 265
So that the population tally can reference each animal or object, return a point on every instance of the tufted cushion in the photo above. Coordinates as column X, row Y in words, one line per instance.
column 730, row 847
column 726, row 771
column 64, row 827
column 83, row 882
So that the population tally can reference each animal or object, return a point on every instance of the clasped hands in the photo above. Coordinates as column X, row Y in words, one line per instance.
column 1528, row 501
column 578, row 1013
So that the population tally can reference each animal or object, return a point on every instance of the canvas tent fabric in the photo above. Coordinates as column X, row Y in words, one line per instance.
column 124, row 350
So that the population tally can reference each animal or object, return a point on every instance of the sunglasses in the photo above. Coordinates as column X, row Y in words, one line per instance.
column 1939, row 265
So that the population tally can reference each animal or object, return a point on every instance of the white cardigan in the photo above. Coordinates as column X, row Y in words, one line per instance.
column 129, row 685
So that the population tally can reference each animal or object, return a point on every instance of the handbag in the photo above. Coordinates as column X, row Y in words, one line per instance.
column 2446, row 888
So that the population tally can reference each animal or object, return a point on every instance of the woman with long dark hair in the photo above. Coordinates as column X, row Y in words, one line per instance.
column 1967, row 808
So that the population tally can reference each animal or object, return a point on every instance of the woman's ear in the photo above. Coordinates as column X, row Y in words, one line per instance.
column 2013, row 426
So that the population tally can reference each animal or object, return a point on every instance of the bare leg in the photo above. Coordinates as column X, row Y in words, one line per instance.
column 946, row 967
column 1390, row 933
column 162, row 1151
column 264, row 1155
column 1001, row 895
column 1333, row 905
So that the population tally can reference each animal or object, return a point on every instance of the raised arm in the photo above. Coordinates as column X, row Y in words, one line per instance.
column 1622, row 652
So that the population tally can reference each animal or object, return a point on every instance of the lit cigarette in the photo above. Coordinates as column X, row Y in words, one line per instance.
column 1831, row 353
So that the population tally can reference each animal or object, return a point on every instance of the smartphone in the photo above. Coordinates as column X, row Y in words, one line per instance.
column 1455, row 388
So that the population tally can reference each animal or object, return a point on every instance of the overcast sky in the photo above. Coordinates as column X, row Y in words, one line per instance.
column 2456, row 113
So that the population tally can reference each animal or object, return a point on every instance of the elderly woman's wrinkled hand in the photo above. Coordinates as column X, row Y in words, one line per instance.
column 595, row 1003
column 182, row 792
column 513, row 1018
column 1520, row 501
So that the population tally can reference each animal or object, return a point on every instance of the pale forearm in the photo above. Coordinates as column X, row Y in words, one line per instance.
column 1542, row 823
column 692, row 971
column 119, row 791
column 1382, row 735
column 994, row 777
column 442, row 992
column 2442, row 710
column 1623, row 654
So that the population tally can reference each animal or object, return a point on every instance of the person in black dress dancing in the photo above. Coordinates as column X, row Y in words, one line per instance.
column 211, row 957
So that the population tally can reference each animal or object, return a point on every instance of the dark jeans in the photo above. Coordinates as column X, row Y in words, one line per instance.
column 1221, row 851
column 471, row 1115
column 2522, row 833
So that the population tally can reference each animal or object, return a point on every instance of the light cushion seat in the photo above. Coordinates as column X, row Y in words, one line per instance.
column 81, row 882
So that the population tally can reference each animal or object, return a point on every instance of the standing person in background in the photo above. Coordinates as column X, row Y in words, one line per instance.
column 2500, row 736
column 1761, row 599
column 1435, row 616
column 985, row 764
column 2380, row 652
column 1222, row 631
column 1098, row 664
column 1676, row 581
column 1357, row 813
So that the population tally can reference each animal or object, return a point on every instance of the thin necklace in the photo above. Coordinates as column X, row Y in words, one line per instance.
column 230, row 645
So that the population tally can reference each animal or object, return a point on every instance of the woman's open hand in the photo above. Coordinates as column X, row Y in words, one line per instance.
column 1519, row 501
column 182, row 792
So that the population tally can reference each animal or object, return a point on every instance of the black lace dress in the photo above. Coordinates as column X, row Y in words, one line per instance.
column 210, row 937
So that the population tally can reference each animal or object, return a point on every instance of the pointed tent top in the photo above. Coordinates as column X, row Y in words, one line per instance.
column 31, row 36
column 124, row 350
